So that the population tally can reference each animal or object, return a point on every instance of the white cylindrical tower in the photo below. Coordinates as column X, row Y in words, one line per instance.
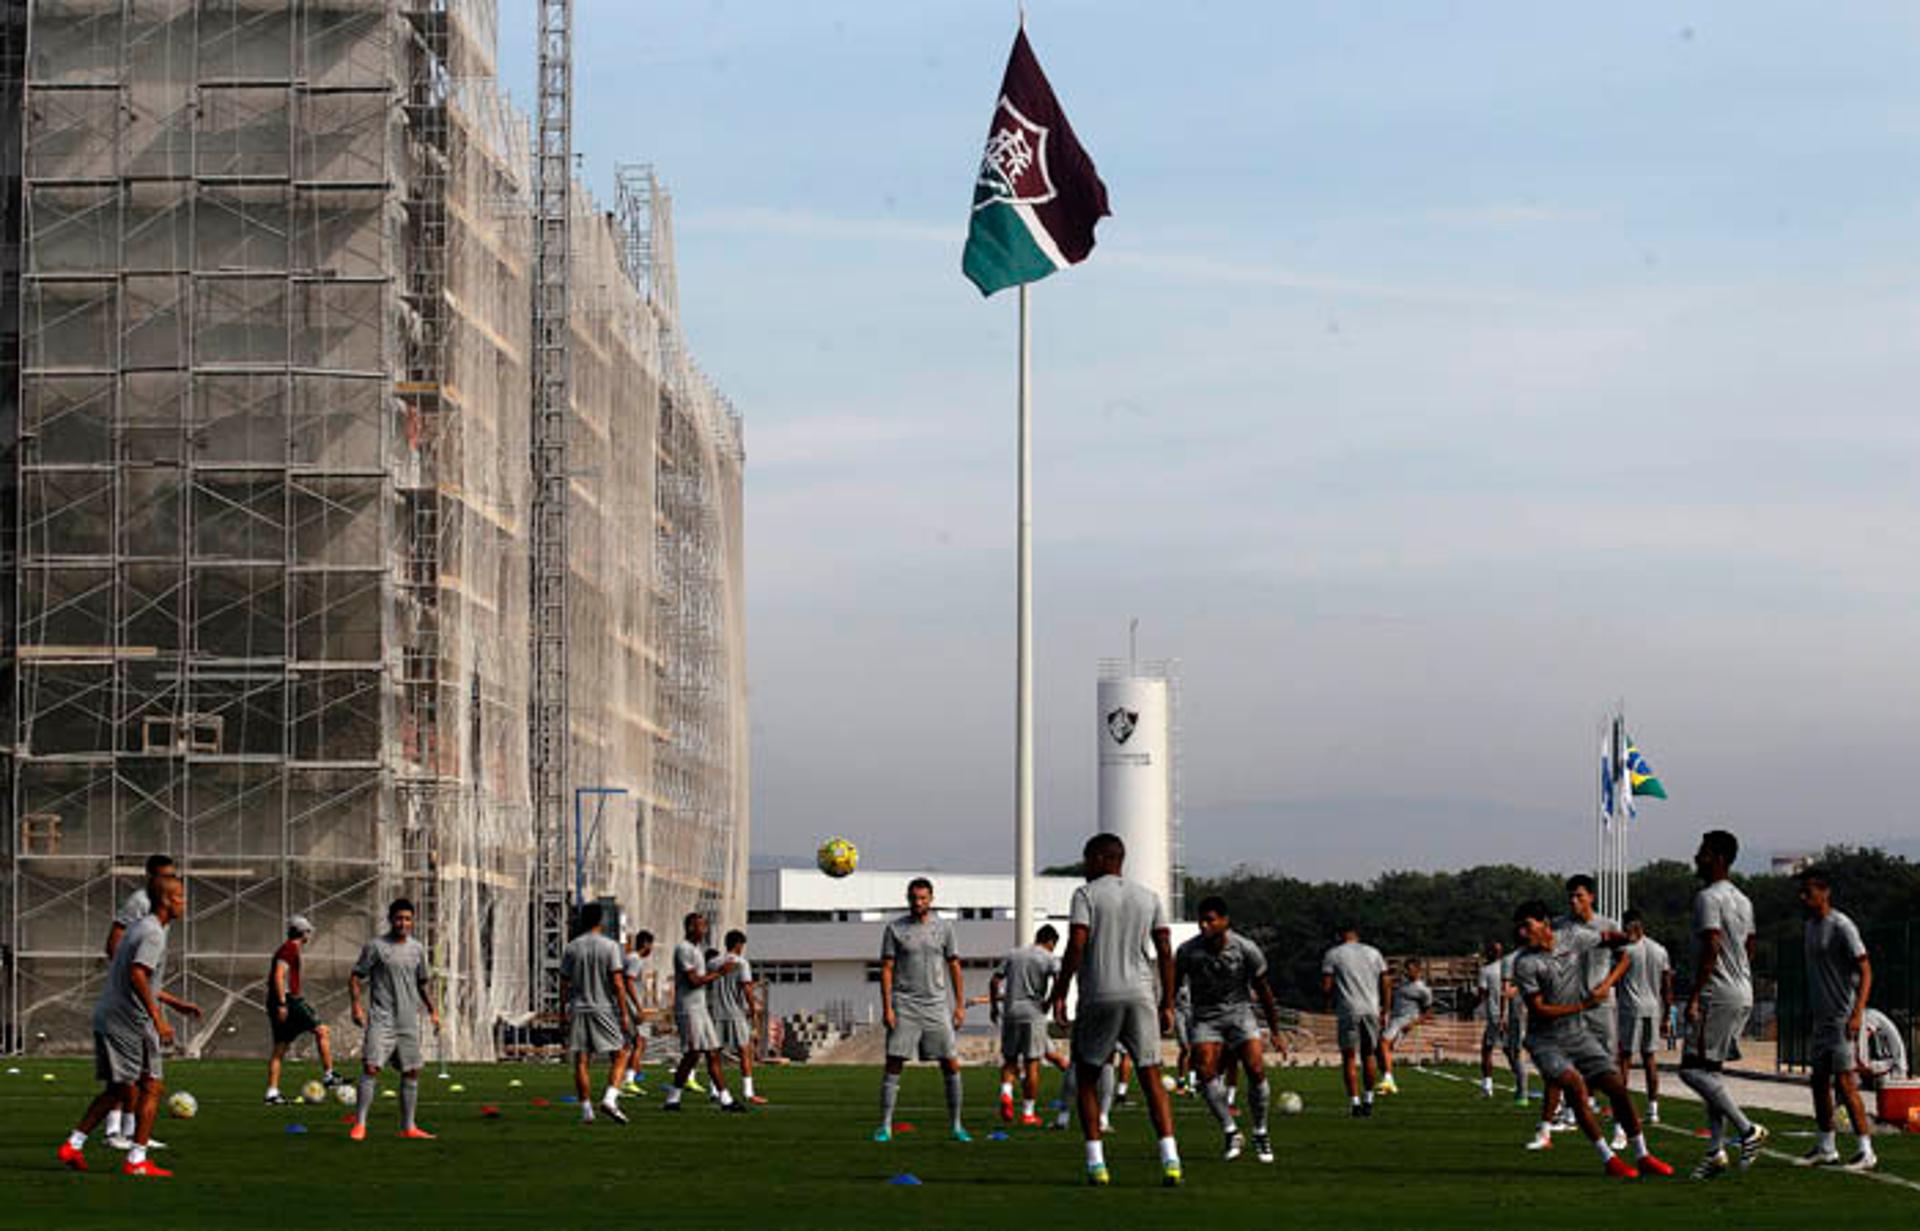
column 1135, row 734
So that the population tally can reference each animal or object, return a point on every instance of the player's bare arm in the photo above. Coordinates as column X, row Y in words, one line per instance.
column 1069, row 967
column 1163, row 957
column 886, row 993
column 959, row 992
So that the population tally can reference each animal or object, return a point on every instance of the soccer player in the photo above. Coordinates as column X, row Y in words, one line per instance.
column 1839, row 978
column 1412, row 1005
column 129, row 1031
column 1489, row 998
column 1112, row 926
column 734, row 1006
column 389, row 989
column 139, row 904
column 1018, row 996
column 598, row 1019
column 923, row 1000
column 693, row 1016
column 288, row 1015
column 633, row 975
column 1225, row 973
column 1567, row 1053
column 1355, row 980
column 1879, row 1051
column 1594, row 937
column 1189, row 1082
column 1516, row 1029
column 1720, row 1001
column 1644, row 994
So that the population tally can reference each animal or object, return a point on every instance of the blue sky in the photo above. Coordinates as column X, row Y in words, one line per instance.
column 1446, row 372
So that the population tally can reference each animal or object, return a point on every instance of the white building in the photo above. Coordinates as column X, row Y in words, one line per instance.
column 815, row 941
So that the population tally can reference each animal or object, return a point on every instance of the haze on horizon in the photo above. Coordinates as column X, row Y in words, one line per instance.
column 1441, row 378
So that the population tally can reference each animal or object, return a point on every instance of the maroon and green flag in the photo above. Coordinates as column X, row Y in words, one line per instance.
column 1037, row 197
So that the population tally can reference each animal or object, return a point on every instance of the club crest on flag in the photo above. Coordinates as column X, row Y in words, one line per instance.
column 1121, row 723
column 1014, row 168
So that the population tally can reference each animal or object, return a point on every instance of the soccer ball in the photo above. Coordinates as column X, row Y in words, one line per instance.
column 838, row 857
column 1291, row 1104
column 182, row 1106
column 313, row 1092
column 346, row 1093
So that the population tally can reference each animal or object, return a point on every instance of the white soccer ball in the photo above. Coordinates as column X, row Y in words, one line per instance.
column 1291, row 1104
column 182, row 1106
column 313, row 1092
column 346, row 1093
column 837, row 857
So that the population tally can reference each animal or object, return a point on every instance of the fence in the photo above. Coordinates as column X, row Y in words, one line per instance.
column 1896, row 988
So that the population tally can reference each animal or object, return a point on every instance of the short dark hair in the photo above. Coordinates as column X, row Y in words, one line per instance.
column 1580, row 880
column 400, row 904
column 1046, row 935
column 1817, row 877
column 919, row 882
column 1633, row 915
column 158, row 863
column 1720, row 842
column 686, row 920
column 1212, row 904
column 1344, row 926
column 1414, row 962
column 642, row 938
column 736, row 937
column 712, row 953
column 1532, row 908
column 591, row 915
column 1104, row 846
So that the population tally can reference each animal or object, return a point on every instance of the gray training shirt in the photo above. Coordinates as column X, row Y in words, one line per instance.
column 1556, row 978
column 1411, row 998
column 1639, row 989
column 1121, row 917
column 1834, row 950
column 920, row 952
column 1356, row 969
column 589, row 964
column 1220, row 980
column 729, row 1000
column 395, row 973
column 1490, row 984
column 1026, row 975
column 1722, row 908
column 687, row 962
column 1584, row 938
column 137, row 907
column 120, row 1011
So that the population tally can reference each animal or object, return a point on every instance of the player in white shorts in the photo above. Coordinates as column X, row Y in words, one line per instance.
column 1720, row 1002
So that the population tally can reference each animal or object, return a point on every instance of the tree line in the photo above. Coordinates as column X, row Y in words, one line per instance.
column 1457, row 913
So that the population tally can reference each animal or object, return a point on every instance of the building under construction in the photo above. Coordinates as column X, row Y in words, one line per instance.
column 368, row 521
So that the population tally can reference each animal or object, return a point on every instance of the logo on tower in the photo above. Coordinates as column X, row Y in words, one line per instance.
column 1121, row 724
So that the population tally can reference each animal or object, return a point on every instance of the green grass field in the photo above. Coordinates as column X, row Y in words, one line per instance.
column 1435, row 1156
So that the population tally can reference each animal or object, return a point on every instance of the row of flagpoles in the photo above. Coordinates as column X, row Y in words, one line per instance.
column 1625, row 776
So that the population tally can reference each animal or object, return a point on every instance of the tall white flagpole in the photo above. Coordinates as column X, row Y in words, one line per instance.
column 1023, row 704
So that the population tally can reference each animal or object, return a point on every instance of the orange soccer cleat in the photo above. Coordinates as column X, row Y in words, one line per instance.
column 76, row 1159
column 757, row 1100
column 358, row 1132
column 146, row 1169
column 1621, row 1169
column 416, row 1134
column 1649, row 1165
column 1029, row 1120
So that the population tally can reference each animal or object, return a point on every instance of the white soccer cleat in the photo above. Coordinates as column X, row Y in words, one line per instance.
column 1542, row 1140
column 1865, row 1160
column 1235, row 1144
column 120, row 1142
column 1619, row 1141
column 1817, row 1157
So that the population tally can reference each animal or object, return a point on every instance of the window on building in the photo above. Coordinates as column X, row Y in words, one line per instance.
column 784, row 972
column 873, row 972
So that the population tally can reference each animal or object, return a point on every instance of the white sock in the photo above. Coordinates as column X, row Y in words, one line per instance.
column 1486, row 1083
column 1367, row 1098
column 1096, row 1155
column 1026, row 1107
column 673, row 1094
column 1653, row 1109
column 113, row 1123
column 1826, row 1140
column 1601, row 1148
column 612, row 1097
column 726, row 1097
column 746, row 1086
column 1120, row 1091
column 1354, row 1099
column 586, row 1113
column 1006, row 1089
column 1543, row 1129
column 77, row 1139
column 1866, row 1143
column 1640, row 1146
column 272, row 1091
column 137, row 1155
column 1169, row 1150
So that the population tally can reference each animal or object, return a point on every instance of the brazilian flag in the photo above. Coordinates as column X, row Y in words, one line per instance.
column 1640, row 779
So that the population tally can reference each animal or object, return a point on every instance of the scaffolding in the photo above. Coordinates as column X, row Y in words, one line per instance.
column 270, row 483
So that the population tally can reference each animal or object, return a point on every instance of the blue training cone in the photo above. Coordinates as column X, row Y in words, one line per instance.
column 296, row 1128
column 996, row 1135
column 906, row 1179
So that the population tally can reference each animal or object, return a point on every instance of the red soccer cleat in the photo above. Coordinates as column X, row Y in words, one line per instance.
column 146, row 1169
column 358, row 1132
column 757, row 1100
column 1006, row 1108
column 1649, row 1165
column 76, row 1159
column 416, row 1134
column 1620, row 1169
column 1029, row 1120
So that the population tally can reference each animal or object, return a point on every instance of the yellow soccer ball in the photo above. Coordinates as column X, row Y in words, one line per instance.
column 182, row 1106
column 838, row 857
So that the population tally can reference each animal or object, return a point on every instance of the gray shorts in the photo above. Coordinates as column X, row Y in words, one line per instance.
column 1233, row 1030
column 1716, row 1036
column 1492, row 1035
column 1639, row 1033
column 125, row 1057
column 1399, row 1026
column 696, row 1030
column 387, row 1047
column 1603, row 1023
column 595, row 1031
column 1575, row 1048
column 736, row 1033
column 1099, row 1028
column 1023, row 1040
column 1359, row 1032
column 1183, row 1027
column 1832, row 1046
column 920, row 1037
